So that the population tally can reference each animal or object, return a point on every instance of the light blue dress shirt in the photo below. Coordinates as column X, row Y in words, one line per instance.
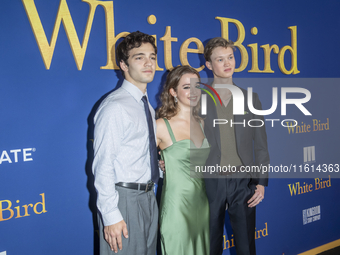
column 121, row 147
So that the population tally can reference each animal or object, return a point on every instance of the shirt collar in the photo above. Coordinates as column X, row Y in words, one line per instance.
column 135, row 92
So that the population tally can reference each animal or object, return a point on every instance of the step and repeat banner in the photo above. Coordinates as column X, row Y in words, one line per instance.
column 57, row 62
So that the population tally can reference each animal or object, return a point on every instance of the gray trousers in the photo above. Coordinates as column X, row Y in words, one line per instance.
column 140, row 212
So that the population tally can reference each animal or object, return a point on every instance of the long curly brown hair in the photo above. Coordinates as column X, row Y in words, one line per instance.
column 169, row 108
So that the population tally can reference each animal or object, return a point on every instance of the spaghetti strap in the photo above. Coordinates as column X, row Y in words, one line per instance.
column 173, row 139
column 202, row 130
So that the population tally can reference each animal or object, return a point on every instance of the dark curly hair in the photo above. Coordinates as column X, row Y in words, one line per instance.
column 131, row 41
column 169, row 108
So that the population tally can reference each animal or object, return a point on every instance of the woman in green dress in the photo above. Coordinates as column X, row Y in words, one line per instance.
column 184, row 208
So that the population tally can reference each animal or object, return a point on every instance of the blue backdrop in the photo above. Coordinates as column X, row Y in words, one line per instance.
column 56, row 64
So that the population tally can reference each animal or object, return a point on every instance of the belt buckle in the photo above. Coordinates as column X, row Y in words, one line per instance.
column 149, row 185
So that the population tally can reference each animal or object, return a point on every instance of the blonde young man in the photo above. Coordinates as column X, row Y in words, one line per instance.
column 233, row 145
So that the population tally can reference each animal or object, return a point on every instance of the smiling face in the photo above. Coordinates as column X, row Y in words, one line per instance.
column 141, row 65
column 222, row 62
column 187, row 96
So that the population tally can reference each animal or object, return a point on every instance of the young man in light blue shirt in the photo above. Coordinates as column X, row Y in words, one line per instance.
column 124, row 154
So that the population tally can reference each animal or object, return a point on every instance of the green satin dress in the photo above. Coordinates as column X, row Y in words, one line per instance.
column 184, row 208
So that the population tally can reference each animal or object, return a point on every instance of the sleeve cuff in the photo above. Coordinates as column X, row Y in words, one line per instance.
column 112, row 217
column 160, row 172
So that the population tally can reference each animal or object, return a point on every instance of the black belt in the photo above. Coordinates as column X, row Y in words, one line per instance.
column 137, row 186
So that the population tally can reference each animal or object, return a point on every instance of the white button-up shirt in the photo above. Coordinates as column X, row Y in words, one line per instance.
column 121, row 147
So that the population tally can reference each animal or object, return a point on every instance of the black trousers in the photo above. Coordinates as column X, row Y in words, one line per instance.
column 235, row 192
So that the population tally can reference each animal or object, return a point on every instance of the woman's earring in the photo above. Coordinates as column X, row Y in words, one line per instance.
column 175, row 98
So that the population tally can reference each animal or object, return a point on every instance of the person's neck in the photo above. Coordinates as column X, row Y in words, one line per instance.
column 218, row 80
column 185, row 113
column 225, row 94
column 141, row 86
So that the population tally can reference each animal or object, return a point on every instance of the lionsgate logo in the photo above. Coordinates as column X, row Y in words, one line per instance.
column 309, row 154
column 16, row 155
column 239, row 102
